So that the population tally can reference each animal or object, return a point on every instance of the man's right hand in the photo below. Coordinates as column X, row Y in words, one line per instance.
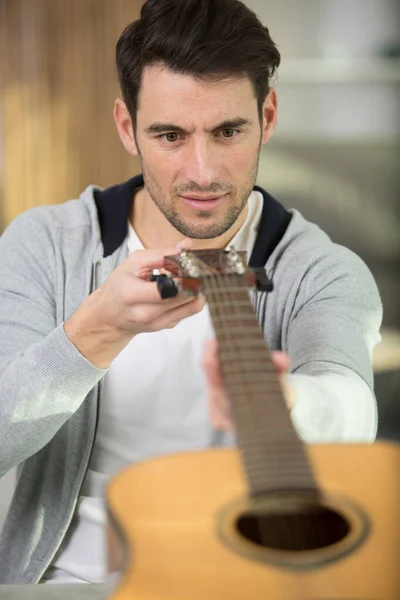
column 125, row 305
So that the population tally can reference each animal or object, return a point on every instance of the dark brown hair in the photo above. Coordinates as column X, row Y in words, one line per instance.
column 209, row 39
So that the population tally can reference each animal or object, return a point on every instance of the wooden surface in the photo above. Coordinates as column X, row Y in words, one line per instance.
column 167, row 509
column 58, row 85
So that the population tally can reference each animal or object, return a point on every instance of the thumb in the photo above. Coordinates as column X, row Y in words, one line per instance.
column 143, row 262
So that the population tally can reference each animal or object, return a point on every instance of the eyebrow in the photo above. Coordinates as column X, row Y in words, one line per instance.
column 230, row 124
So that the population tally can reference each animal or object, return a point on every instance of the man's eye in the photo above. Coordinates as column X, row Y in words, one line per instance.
column 229, row 133
column 171, row 137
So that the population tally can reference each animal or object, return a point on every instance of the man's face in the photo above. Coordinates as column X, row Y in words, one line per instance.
column 199, row 144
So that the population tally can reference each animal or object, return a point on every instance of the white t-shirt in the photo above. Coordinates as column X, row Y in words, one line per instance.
column 153, row 402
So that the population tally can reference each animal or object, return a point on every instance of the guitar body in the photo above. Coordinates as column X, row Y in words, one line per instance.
column 174, row 536
column 273, row 519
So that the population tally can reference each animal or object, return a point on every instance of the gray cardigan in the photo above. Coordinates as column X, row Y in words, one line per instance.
column 325, row 312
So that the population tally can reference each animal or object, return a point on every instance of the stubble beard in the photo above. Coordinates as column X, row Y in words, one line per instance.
column 210, row 229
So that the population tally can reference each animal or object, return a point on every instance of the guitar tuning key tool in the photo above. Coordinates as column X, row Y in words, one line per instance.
column 263, row 283
column 167, row 287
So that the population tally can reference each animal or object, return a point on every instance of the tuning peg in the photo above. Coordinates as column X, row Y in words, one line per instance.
column 263, row 284
column 166, row 286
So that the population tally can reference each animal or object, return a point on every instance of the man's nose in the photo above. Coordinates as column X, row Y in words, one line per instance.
column 201, row 164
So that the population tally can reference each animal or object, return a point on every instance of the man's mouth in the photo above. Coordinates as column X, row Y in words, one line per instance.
column 203, row 202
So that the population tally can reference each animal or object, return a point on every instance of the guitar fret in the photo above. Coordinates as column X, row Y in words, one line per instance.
column 272, row 459
column 227, row 318
column 245, row 344
column 257, row 364
column 239, row 304
column 255, row 466
column 256, row 367
column 253, row 389
column 238, row 330
column 294, row 463
column 276, row 442
column 282, row 473
column 230, row 289
column 297, row 471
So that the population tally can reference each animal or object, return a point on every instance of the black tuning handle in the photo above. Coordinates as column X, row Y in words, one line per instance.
column 263, row 284
column 168, row 289
column 166, row 286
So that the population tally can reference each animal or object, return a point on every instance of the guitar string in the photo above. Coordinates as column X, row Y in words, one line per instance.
column 300, row 523
column 222, row 291
column 258, row 424
column 227, row 300
column 218, row 291
column 285, row 529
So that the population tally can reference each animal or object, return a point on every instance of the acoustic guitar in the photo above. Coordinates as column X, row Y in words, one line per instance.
column 273, row 519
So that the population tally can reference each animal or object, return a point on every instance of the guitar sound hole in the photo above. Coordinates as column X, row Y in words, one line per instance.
column 309, row 528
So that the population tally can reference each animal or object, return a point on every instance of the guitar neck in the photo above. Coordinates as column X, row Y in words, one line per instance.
column 273, row 456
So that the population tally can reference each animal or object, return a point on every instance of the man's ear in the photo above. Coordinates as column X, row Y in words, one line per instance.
column 270, row 116
column 125, row 127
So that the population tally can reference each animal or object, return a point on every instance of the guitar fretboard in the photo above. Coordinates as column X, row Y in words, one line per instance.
column 273, row 456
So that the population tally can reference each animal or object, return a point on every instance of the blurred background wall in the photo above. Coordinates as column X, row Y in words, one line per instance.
column 336, row 152
column 57, row 88
column 335, row 156
column 58, row 85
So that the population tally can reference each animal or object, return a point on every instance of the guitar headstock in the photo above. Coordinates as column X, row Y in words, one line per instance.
column 191, row 267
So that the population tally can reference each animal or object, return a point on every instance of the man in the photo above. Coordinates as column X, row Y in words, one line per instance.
column 96, row 371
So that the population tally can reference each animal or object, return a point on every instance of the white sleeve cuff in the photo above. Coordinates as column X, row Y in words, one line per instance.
column 333, row 407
